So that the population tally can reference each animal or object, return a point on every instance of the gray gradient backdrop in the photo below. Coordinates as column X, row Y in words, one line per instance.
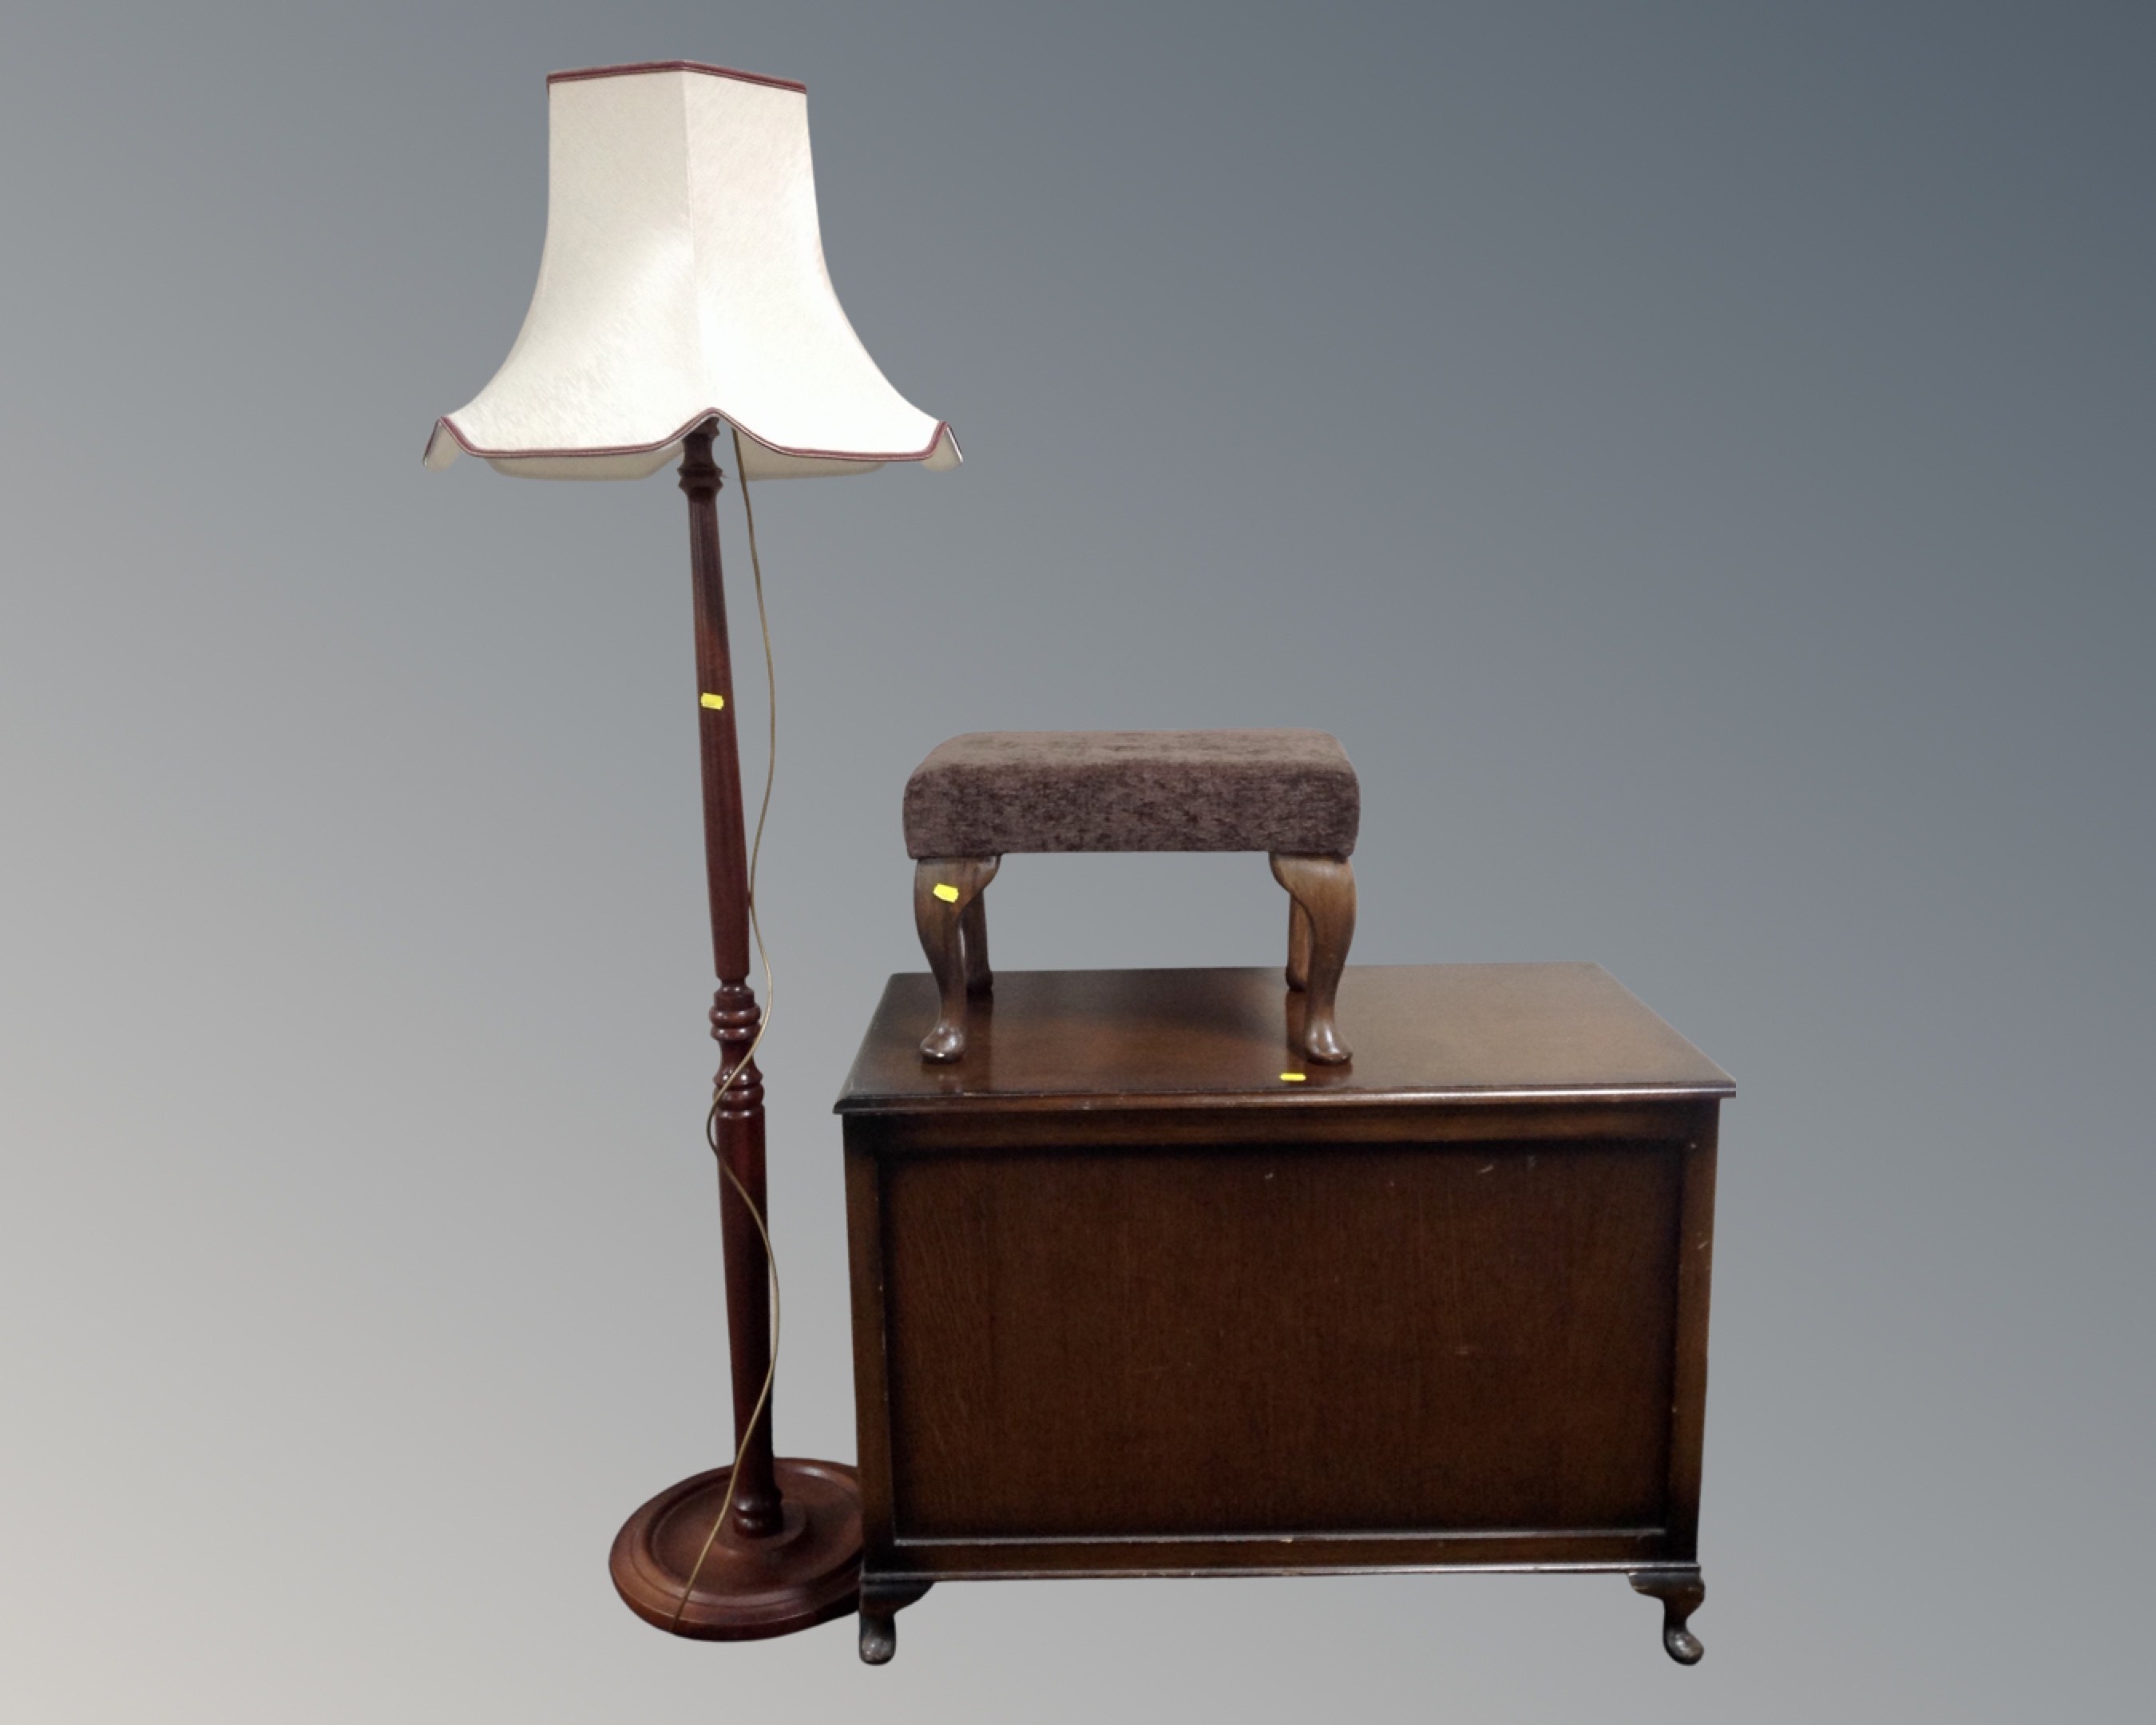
column 1697, row 457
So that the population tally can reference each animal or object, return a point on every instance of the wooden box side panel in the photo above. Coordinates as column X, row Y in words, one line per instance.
column 871, row 1378
column 1289, row 1339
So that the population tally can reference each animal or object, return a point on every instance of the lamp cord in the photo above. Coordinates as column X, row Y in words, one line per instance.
column 726, row 1080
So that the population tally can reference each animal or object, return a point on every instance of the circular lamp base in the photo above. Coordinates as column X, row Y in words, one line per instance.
column 807, row 1572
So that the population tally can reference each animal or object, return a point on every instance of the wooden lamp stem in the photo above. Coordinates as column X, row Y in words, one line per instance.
column 734, row 1013
column 789, row 1555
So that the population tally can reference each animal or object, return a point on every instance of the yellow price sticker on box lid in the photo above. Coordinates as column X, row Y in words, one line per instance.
column 1293, row 1077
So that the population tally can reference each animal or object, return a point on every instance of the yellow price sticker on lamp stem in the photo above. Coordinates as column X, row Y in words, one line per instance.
column 714, row 702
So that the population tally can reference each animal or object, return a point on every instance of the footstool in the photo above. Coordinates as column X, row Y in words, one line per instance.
column 979, row 798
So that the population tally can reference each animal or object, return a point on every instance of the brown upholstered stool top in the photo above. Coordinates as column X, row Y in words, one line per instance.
column 991, row 792
column 978, row 798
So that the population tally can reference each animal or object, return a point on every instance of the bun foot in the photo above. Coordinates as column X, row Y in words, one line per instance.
column 1681, row 1592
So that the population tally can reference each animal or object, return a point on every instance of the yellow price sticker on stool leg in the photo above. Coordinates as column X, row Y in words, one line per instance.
column 946, row 892
column 715, row 701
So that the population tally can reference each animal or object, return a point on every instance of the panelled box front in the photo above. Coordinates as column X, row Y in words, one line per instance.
column 1442, row 1350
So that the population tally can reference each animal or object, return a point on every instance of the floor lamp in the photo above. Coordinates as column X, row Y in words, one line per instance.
column 683, row 285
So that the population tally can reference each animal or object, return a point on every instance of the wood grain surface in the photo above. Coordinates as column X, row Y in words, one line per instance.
column 1130, row 1038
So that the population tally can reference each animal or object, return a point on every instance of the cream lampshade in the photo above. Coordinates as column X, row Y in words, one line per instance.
column 683, row 277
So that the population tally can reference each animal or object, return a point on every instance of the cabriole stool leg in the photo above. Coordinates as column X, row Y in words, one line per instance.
column 945, row 890
column 1323, row 889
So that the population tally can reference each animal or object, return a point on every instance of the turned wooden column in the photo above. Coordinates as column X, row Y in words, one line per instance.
column 734, row 1013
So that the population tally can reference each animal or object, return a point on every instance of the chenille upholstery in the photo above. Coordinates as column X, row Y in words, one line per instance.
column 994, row 793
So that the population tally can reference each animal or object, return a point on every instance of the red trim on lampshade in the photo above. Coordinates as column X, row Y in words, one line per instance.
column 469, row 448
column 674, row 66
